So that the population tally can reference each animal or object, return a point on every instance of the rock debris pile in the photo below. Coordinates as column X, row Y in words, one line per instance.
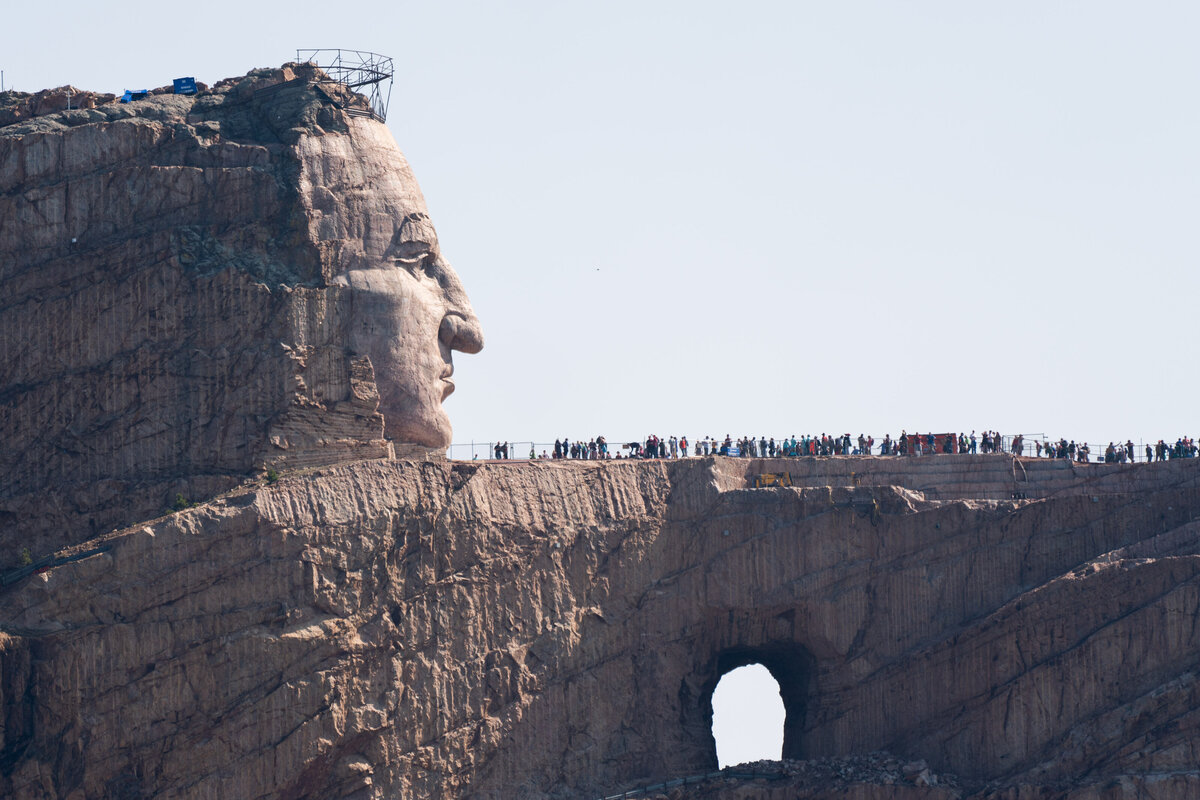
column 812, row 778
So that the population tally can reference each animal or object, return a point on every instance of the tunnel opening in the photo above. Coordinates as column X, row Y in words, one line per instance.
column 748, row 716
column 790, row 668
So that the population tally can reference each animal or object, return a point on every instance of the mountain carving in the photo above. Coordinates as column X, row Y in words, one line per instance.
column 236, row 301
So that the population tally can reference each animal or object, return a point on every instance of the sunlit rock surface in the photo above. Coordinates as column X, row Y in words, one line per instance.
column 197, row 292
column 399, row 629
column 197, row 288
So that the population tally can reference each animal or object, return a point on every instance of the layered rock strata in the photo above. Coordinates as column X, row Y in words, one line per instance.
column 546, row 630
column 195, row 288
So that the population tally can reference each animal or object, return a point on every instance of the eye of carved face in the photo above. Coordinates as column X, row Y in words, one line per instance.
column 417, row 257
column 414, row 247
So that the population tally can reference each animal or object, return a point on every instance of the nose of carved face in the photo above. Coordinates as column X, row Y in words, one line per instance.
column 461, row 332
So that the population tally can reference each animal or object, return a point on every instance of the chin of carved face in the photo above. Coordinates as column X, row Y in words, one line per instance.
column 427, row 426
column 408, row 309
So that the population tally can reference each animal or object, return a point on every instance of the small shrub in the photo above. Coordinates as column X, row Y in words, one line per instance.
column 181, row 503
column 272, row 475
column 26, row 557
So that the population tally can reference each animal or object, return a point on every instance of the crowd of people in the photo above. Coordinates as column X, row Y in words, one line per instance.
column 1117, row 453
column 905, row 444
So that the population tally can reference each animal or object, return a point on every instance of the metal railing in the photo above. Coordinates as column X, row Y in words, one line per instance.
column 368, row 73
column 527, row 449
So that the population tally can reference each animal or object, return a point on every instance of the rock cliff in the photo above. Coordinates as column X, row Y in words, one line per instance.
column 238, row 297
column 195, row 288
column 392, row 628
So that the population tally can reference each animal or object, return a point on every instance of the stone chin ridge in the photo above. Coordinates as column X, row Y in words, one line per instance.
column 166, row 312
column 393, row 629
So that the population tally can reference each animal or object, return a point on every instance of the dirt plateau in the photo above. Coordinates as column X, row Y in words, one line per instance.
column 385, row 628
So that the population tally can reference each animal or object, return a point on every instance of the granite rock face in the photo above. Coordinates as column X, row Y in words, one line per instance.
column 182, row 301
column 545, row 630
column 199, row 291
column 21, row 106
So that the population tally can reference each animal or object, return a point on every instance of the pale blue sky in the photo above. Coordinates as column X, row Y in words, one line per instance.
column 772, row 218
column 748, row 716
column 764, row 218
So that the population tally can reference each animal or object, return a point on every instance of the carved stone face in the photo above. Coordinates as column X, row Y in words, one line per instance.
column 408, row 309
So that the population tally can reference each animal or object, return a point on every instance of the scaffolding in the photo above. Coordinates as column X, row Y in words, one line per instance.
column 369, row 74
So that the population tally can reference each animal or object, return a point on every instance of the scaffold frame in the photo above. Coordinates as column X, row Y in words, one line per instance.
column 368, row 73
